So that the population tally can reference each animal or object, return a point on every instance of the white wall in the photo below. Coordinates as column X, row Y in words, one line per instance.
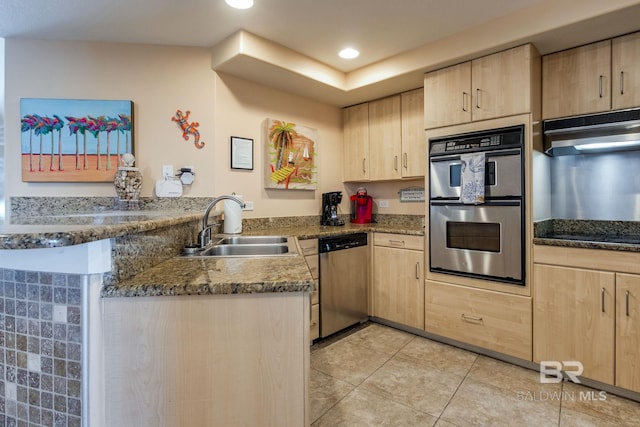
column 160, row 80
column 2, row 158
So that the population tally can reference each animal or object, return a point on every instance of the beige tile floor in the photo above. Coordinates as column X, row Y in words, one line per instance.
column 380, row 376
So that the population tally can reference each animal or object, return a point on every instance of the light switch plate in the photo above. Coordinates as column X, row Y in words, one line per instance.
column 248, row 206
column 383, row 203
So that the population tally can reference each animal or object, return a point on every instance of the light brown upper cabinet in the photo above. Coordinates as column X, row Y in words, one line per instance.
column 577, row 81
column 625, row 66
column 593, row 78
column 496, row 85
column 414, row 142
column 385, row 138
column 356, row 143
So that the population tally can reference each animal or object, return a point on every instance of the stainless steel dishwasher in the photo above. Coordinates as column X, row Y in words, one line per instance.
column 344, row 278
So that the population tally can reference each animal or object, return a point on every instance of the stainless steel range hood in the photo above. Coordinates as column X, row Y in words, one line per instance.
column 594, row 133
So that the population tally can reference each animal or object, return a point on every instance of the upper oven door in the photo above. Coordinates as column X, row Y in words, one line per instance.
column 503, row 175
column 477, row 240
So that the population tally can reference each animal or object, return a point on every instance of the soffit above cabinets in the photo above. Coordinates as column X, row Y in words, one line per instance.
column 551, row 26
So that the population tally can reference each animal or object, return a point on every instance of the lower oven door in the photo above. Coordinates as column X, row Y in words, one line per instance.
column 483, row 241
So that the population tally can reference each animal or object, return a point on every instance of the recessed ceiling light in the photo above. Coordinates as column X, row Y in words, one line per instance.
column 349, row 53
column 240, row 4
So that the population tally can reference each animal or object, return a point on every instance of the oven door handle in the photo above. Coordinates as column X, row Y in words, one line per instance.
column 487, row 203
column 488, row 154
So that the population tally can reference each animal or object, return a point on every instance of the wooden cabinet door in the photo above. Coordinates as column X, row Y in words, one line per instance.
column 398, row 286
column 625, row 71
column 628, row 331
column 501, row 84
column 414, row 142
column 573, row 318
column 356, row 143
column 385, row 133
column 447, row 96
column 577, row 81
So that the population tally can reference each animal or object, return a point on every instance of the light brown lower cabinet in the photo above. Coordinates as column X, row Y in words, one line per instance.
column 398, row 279
column 574, row 318
column 628, row 331
column 207, row 360
column 309, row 248
column 587, row 309
column 492, row 320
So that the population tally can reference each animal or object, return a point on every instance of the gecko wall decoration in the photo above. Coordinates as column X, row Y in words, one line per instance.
column 188, row 128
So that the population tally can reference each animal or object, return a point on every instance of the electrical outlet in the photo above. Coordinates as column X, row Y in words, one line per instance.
column 383, row 203
column 167, row 170
column 248, row 206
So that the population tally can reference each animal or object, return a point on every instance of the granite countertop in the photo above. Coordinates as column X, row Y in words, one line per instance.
column 316, row 231
column 186, row 275
column 211, row 276
column 589, row 234
column 50, row 231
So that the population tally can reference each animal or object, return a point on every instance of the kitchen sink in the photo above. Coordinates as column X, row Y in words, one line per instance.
column 252, row 240
column 246, row 250
column 247, row 246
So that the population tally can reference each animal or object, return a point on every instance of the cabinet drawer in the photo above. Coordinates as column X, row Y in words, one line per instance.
column 308, row 246
column 403, row 241
column 315, row 322
column 492, row 320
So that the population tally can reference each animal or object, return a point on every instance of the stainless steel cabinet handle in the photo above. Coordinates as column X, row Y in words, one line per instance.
column 478, row 98
column 464, row 101
column 395, row 163
column 621, row 82
column 417, row 270
column 396, row 242
column 600, row 85
column 626, row 302
column 473, row 319
column 364, row 165
column 602, row 302
column 406, row 160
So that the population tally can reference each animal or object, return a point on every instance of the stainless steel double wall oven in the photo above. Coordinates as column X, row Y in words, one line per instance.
column 483, row 240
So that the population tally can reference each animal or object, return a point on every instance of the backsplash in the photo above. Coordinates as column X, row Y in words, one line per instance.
column 596, row 186
column 67, row 205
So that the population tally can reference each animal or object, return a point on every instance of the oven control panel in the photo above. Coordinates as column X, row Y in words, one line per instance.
column 478, row 141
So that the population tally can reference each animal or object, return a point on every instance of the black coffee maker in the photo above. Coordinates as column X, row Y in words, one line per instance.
column 330, row 202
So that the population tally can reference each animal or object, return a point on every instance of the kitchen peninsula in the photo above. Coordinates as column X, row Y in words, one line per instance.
column 192, row 341
column 202, row 359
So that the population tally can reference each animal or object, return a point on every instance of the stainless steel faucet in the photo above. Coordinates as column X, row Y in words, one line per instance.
column 204, row 236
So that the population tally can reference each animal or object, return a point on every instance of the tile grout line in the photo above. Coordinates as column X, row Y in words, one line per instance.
column 456, row 391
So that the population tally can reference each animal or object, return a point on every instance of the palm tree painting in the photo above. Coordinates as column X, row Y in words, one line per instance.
column 81, row 148
column 290, row 155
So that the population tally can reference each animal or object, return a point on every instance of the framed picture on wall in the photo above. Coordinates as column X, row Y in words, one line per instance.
column 74, row 140
column 291, row 152
column 241, row 153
